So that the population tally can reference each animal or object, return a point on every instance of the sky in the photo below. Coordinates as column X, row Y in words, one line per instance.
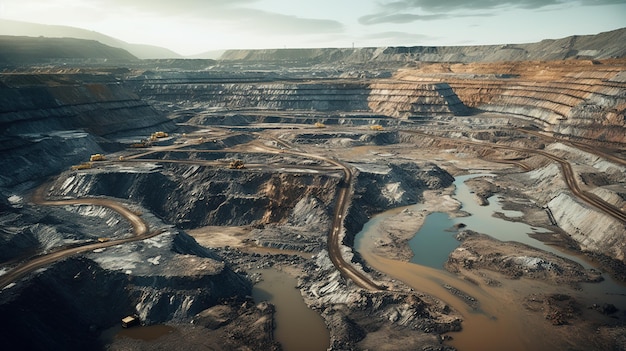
column 193, row 26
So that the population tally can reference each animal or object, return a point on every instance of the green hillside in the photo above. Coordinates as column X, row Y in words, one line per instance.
column 29, row 50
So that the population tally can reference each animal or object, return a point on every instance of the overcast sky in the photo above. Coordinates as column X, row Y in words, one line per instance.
column 194, row 26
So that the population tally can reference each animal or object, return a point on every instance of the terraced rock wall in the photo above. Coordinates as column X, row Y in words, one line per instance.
column 578, row 99
column 194, row 196
column 600, row 46
column 395, row 99
column 68, row 306
column 51, row 121
column 98, row 104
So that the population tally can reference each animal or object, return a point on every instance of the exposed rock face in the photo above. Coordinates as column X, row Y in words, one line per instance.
column 389, row 98
column 305, row 229
column 30, row 156
column 357, row 318
column 194, row 196
column 23, row 230
column 579, row 99
column 168, row 277
column 601, row 46
column 171, row 277
column 406, row 100
column 516, row 260
column 99, row 104
column 399, row 184
column 50, row 121
column 593, row 230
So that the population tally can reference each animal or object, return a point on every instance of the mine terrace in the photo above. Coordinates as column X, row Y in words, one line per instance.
column 162, row 194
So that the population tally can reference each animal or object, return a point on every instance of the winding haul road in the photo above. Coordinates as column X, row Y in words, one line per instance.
column 347, row 270
column 341, row 208
column 140, row 231
column 566, row 169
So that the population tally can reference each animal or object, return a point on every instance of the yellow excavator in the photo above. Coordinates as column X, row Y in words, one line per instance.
column 158, row 135
column 236, row 164
column 97, row 157
column 84, row 165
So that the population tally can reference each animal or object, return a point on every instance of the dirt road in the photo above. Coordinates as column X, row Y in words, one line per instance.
column 566, row 169
column 140, row 231
column 341, row 207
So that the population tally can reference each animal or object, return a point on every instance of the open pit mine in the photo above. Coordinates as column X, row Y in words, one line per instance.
column 424, row 198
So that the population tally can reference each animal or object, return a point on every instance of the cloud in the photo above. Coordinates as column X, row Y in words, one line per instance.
column 263, row 22
column 169, row 7
column 230, row 12
column 398, row 18
column 403, row 11
column 602, row 2
column 455, row 5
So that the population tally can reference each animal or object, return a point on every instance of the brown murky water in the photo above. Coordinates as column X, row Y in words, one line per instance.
column 298, row 328
column 501, row 322
column 146, row 333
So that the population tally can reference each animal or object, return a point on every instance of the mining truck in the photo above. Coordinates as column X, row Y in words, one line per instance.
column 143, row 143
column 84, row 165
column 319, row 125
column 376, row 127
column 158, row 135
column 97, row 157
column 130, row 321
column 236, row 164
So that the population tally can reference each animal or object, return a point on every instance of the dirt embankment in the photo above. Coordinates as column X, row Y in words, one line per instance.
column 514, row 260
column 578, row 99
column 396, row 231
column 229, row 326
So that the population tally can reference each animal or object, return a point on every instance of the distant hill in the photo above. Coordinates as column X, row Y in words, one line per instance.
column 28, row 50
column 213, row 55
column 17, row 28
column 600, row 46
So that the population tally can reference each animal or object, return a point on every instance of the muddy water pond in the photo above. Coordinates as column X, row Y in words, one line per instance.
column 298, row 328
column 146, row 333
column 500, row 322
column 435, row 239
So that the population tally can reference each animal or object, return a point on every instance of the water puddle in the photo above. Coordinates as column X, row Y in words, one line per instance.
column 434, row 242
column 143, row 333
column 298, row 328
column 146, row 333
column 500, row 322
column 481, row 220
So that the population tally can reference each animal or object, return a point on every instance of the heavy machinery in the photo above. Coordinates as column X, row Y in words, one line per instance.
column 141, row 144
column 319, row 125
column 84, row 165
column 236, row 164
column 130, row 321
column 158, row 135
column 376, row 127
column 97, row 157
